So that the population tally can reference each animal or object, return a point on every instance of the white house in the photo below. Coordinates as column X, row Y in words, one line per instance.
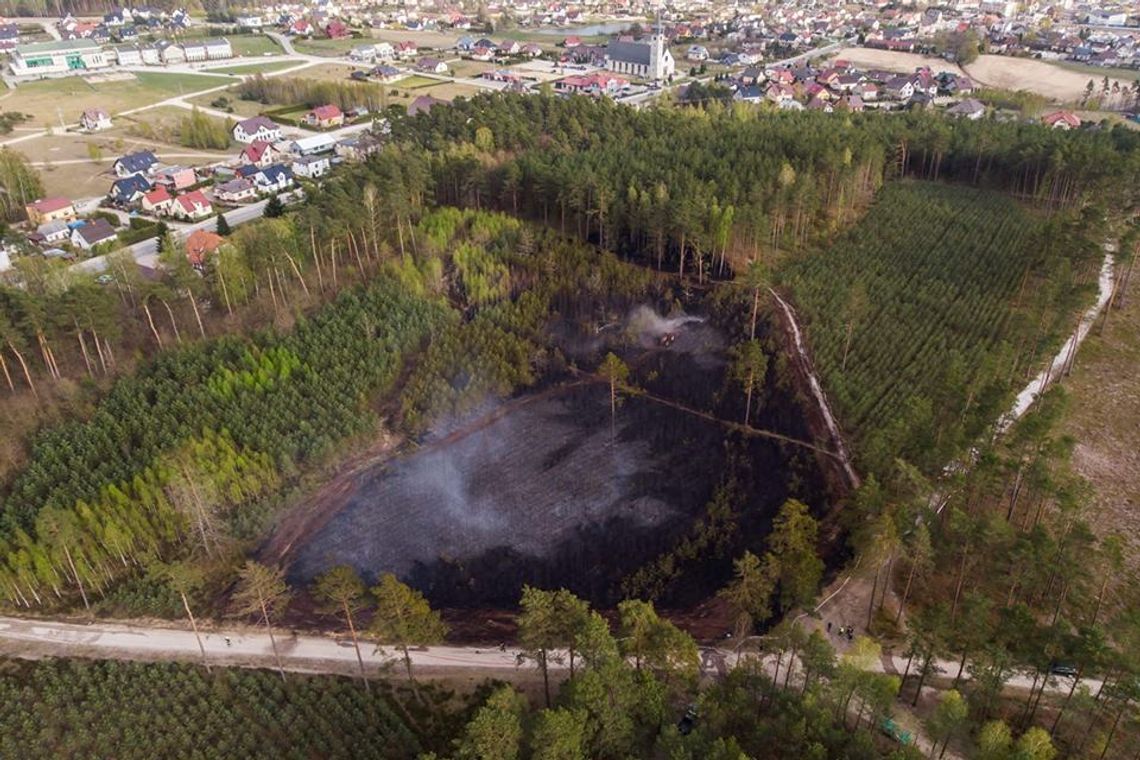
column 257, row 129
column 54, row 232
column 195, row 52
column 129, row 55
column 697, row 53
column 236, row 190
column 219, row 49
column 151, row 55
column 250, row 22
column 312, row 166
column 273, row 179
column 362, row 54
column 384, row 51
column 95, row 119
column 92, row 234
column 310, row 146
column 193, row 205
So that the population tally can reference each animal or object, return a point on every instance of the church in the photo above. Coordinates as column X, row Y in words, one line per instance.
column 646, row 60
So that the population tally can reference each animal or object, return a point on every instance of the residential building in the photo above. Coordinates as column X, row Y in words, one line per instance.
column 53, row 232
column 258, row 128
column 1061, row 120
column 406, row 49
column 431, row 66
column 129, row 190
column 383, row 51
column 386, row 73
column 596, row 84
column 50, row 210
column 219, row 49
column 362, row 54
column 310, row 146
column 970, row 109
column 261, row 154
column 63, row 57
column 645, row 60
column 236, row 190
column 170, row 52
column 250, row 21
column 357, row 148
column 423, row 104
column 157, row 201
column 92, row 233
column 324, row 117
column 200, row 244
column 192, row 206
column 195, row 51
column 95, row 119
column 697, row 53
column 273, row 179
column 129, row 55
column 142, row 162
column 176, row 177
column 312, row 167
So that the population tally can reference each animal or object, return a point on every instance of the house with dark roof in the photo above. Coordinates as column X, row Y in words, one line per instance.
column 91, row 234
column 142, row 162
column 273, row 179
column 423, row 104
column 258, row 128
column 236, row 190
column 128, row 190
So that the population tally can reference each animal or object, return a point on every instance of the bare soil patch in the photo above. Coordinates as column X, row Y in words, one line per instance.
column 1041, row 77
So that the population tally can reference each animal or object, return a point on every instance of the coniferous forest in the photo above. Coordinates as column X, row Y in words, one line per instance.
column 932, row 266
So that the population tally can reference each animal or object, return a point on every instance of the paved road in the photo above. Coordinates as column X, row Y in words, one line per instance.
column 146, row 251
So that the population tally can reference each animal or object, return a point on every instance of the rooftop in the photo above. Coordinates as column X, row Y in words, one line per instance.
column 61, row 46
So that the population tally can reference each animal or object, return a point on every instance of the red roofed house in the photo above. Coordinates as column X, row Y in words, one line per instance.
column 201, row 244
column 336, row 30
column 324, row 117
column 598, row 83
column 260, row 153
column 193, row 206
column 572, row 42
column 1061, row 120
column 157, row 201
column 49, row 210
column 406, row 49
column 301, row 27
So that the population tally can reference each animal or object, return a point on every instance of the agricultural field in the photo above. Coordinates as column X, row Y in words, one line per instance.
column 74, row 708
column 918, row 315
column 50, row 100
column 1045, row 78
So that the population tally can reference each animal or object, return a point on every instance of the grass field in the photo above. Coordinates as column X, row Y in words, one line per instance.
column 920, row 296
column 241, row 108
column 416, row 82
column 471, row 68
column 50, row 99
column 262, row 67
column 326, row 47
column 1098, row 72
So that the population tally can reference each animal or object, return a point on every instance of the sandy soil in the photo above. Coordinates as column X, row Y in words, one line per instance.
column 999, row 71
column 1041, row 77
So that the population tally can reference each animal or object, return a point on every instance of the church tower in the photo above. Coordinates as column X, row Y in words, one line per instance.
column 661, row 65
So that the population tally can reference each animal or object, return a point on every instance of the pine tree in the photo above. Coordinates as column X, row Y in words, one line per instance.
column 223, row 227
column 274, row 208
